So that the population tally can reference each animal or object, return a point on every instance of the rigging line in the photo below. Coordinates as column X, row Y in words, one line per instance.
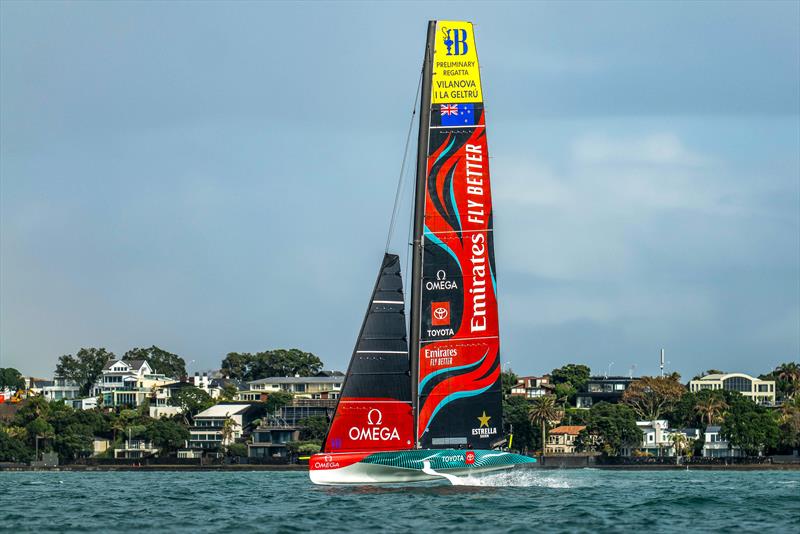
column 399, row 190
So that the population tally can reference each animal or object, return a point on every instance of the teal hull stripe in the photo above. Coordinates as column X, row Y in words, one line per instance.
column 446, row 459
column 447, row 369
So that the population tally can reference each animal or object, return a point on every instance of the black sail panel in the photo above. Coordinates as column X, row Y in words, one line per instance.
column 374, row 410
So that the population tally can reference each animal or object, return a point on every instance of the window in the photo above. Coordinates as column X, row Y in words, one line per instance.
column 300, row 388
column 763, row 388
column 737, row 383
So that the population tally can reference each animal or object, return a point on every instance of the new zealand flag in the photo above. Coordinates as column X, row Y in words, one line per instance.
column 457, row 114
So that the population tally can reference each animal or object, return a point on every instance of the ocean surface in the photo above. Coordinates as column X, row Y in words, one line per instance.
column 583, row 500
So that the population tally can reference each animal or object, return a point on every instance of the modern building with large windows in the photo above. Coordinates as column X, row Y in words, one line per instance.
column 759, row 391
column 603, row 388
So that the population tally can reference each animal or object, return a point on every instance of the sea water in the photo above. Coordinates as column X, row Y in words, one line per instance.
column 583, row 500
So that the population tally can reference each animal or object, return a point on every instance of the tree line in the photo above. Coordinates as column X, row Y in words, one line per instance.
column 754, row 428
column 85, row 367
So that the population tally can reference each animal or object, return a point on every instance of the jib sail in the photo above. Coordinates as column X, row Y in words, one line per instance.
column 454, row 297
column 374, row 409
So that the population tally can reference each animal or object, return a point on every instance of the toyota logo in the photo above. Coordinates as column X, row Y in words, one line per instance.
column 440, row 313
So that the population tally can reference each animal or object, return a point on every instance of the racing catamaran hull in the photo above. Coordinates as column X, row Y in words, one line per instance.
column 418, row 465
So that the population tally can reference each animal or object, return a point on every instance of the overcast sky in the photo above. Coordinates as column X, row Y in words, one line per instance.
column 212, row 177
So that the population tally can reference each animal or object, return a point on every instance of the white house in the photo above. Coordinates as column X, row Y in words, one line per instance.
column 128, row 383
column 309, row 387
column 716, row 446
column 657, row 438
column 757, row 390
column 207, row 432
column 135, row 448
column 61, row 389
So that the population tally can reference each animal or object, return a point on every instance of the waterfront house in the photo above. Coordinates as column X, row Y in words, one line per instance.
column 128, row 383
column 61, row 389
column 300, row 409
column 716, row 446
column 133, row 449
column 269, row 440
column 208, row 431
column 561, row 439
column 755, row 389
column 658, row 439
column 530, row 387
column 308, row 387
column 603, row 388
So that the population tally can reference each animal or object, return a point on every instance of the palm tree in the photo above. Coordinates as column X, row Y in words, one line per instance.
column 710, row 407
column 790, row 372
column 543, row 410
column 227, row 430
column 680, row 442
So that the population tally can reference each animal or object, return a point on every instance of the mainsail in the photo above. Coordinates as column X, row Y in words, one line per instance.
column 374, row 410
column 454, row 324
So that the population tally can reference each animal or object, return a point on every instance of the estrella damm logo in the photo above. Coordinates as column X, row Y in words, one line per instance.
column 455, row 41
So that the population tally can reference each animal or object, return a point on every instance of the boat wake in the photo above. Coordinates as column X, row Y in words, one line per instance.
column 517, row 478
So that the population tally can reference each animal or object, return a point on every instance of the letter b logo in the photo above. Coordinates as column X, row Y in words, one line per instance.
column 456, row 42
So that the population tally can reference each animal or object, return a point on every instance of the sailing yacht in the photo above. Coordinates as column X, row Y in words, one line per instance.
column 428, row 405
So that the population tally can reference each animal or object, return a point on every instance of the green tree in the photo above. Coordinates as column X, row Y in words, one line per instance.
column 516, row 418
column 191, row 400
column 749, row 426
column 228, row 429
column 566, row 393
column 787, row 380
column 304, row 447
column 278, row 362
column 710, row 408
column 229, row 391
column 313, row 428
column 84, row 368
column 609, row 428
column 11, row 378
column 651, row 397
column 572, row 373
column 790, row 425
column 166, row 434
column 543, row 410
column 75, row 442
column 160, row 361
column 237, row 449
column 508, row 380
column 13, row 448
column 277, row 400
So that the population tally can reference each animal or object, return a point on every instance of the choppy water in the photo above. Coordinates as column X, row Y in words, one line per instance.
column 545, row 501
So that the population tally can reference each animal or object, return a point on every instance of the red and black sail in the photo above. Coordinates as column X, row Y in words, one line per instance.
column 374, row 409
column 455, row 295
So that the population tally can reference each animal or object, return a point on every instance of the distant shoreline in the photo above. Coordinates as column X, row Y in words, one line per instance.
column 245, row 468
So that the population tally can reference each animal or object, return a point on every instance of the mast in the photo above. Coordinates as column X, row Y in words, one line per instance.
column 419, row 216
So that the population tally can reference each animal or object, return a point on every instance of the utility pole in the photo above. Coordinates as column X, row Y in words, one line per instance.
column 662, row 363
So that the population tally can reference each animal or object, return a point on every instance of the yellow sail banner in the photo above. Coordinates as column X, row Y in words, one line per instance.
column 456, row 75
